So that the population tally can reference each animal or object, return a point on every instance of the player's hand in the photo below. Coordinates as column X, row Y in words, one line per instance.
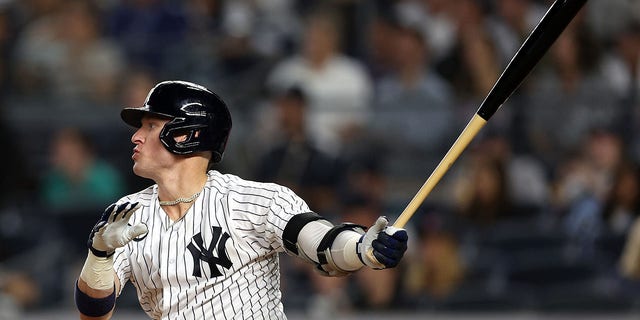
column 382, row 246
column 113, row 230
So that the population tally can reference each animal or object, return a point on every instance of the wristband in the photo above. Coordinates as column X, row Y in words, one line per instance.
column 100, row 253
column 94, row 307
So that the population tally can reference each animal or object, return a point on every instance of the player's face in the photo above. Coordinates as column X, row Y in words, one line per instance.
column 150, row 157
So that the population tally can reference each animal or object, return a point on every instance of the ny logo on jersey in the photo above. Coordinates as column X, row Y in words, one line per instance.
column 200, row 252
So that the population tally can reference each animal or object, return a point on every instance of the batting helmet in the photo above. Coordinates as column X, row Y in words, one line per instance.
column 193, row 110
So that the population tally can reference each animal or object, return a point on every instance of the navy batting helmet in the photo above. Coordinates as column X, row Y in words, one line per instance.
column 193, row 110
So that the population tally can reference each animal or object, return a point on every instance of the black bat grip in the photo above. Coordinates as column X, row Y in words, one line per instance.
column 534, row 47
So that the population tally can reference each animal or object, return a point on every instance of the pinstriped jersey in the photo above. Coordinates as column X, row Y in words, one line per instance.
column 219, row 261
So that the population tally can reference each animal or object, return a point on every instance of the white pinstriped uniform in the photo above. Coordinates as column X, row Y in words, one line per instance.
column 161, row 267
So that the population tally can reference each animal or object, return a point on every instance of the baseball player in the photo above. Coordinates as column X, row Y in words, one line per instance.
column 200, row 244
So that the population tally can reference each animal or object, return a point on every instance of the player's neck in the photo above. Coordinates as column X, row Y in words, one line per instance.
column 181, row 185
column 177, row 192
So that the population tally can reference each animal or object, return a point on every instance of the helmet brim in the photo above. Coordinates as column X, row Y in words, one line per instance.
column 133, row 116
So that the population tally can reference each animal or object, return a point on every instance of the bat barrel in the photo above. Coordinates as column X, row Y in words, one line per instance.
column 537, row 43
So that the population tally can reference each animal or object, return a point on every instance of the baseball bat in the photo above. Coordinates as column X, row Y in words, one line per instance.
column 554, row 21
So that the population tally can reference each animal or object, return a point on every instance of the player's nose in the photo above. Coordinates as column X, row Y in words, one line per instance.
column 137, row 138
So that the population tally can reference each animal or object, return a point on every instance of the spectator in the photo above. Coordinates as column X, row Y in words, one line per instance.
column 621, row 69
column 147, row 30
column 379, row 33
column 582, row 186
column 78, row 179
column 64, row 51
column 413, row 109
column 437, row 269
column 434, row 20
column 514, row 21
column 590, row 172
column 527, row 180
column 339, row 88
column 599, row 17
column 569, row 97
column 233, row 44
column 472, row 65
column 270, row 26
column 295, row 161
column 622, row 204
column 481, row 196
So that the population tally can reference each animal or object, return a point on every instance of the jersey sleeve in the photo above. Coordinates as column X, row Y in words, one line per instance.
column 285, row 205
column 261, row 219
column 121, row 266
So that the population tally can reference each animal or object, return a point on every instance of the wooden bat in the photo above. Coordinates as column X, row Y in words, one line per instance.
column 555, row 20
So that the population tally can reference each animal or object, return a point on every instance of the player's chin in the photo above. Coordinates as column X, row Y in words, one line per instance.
column 139, row 170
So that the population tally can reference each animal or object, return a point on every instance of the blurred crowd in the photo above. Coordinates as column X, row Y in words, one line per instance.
column 350, row 103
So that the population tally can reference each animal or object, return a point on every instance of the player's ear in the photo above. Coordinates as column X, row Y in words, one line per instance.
column 184, row 135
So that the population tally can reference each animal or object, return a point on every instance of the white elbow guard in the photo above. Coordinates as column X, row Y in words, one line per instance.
column 317, row 243
column 326, row 261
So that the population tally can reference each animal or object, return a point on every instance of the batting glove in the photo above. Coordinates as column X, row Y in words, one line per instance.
column 382, row 246
column 113, row 229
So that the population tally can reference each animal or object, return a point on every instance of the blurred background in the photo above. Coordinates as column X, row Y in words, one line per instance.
column 351, row 103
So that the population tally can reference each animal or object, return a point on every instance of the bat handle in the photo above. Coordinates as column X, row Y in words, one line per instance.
column 470, row 131
column 370, row 255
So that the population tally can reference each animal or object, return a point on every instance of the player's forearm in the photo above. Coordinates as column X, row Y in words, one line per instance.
column 95, row 292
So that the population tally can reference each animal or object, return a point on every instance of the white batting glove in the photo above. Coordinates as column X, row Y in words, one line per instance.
column 382, row 246
column 113, row 230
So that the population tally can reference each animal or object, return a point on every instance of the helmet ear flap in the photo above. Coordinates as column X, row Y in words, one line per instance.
column 180, row 137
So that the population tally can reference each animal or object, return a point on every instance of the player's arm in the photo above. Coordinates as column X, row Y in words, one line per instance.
column 345, row 248
column 100, row 301
column 96, row 288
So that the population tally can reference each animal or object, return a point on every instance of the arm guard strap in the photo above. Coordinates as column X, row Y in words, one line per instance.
column 326, row 263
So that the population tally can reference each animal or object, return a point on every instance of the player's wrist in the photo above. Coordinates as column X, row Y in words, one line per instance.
column 97, row 272
column 100, row 253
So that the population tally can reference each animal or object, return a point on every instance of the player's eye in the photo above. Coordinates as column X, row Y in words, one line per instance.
column 152, row 125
